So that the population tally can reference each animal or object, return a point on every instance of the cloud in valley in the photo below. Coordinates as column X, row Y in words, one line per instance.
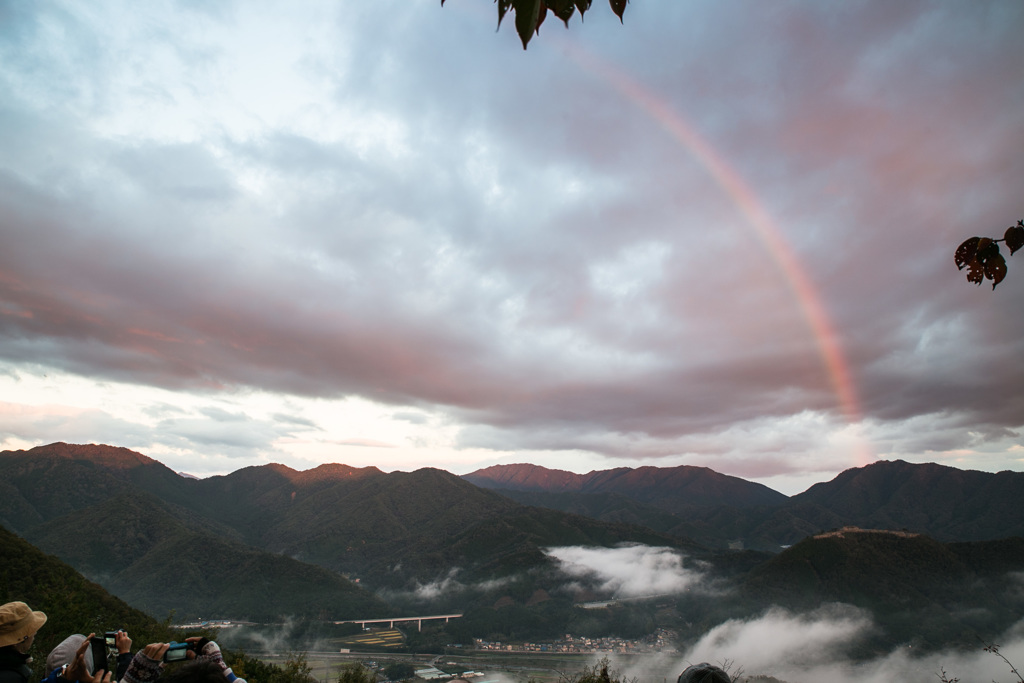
column 801, row 648
column 441, row 588
column 628, row 571
column 816, row 646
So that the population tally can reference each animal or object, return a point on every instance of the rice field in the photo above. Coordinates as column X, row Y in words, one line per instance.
column 372, row 639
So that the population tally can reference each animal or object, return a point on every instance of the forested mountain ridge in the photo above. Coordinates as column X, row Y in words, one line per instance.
column 946, row 502
column 675, row 489
column 943, row 502
column 130, row 523
column 268, row 541
column 917, row 589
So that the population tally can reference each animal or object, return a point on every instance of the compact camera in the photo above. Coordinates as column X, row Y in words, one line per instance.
column 99, row 653
column 178, row 652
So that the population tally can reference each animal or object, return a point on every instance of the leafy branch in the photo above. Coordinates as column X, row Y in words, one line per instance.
column 530, row 14
column 991, row 648
column 981, row 257
column 994, row 649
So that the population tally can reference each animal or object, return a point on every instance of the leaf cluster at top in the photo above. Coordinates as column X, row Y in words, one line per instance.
column 530, row 14
column 981, row 257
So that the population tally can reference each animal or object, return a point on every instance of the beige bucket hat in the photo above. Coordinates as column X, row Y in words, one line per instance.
column 18, row 622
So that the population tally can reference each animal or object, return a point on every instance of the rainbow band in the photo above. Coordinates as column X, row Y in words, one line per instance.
column 767, row 232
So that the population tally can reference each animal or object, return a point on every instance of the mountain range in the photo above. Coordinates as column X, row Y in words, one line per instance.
column 287, row 538
column 716, row 510
column 675, row 489
column 338, row 542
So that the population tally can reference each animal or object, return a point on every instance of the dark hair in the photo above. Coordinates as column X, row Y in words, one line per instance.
column 197, row 671
column 703, row 673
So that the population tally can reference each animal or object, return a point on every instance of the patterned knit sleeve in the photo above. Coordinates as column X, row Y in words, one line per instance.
column 211, row 651
column 142, row 669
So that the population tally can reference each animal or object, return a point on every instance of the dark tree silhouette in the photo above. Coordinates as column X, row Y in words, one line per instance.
column 981, row 257
column 530, row 14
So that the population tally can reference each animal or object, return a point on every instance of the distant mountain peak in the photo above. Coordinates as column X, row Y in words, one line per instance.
column 114, row 457
column 335, row 471
column 526, row 477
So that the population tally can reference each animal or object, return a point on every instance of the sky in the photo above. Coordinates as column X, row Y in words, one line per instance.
column 716, row 234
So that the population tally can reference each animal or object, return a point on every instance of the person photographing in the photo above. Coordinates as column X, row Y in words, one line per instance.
column 19, row 624
column 203, row 663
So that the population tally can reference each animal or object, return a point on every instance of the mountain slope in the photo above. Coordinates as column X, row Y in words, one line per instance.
column 607, row 507
column 203, row 576
column 351, row 521
column 99, row 509
column 917, row 589
column 944, row 502
column 71, row 603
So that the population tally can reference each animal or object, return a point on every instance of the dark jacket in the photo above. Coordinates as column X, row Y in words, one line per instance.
column 13, row 666
column 123, row 660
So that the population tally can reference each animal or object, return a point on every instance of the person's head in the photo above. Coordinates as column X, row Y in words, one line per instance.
column 195, row 671
column 18, row 625
column 66, row 651
column 703, row 673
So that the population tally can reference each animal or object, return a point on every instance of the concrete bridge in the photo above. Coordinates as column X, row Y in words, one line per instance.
column 394, row 620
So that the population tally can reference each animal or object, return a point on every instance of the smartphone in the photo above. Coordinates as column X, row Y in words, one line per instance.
column 177, row 652
column 98, row 646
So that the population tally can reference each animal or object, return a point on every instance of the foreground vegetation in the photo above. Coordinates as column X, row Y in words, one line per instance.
column 71, row 603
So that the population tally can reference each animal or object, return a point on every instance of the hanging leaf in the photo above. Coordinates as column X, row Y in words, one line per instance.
column 541, row 14
column 965, row 252
column 527, row 13
column 1014, row 237
column 981, row 257
column 975, row 272
column 995, row 269
column 503, row 8
column 618, row 6
column 987, row 249
column 583, row 6
column 563, row 9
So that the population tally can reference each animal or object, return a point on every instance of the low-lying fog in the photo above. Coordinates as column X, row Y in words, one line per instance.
column 811, row 647
column 799, row 648
column 628, row 571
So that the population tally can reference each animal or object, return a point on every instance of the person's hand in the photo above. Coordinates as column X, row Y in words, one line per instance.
column 197, row 642
column 122, row 642
column 77, row 670
column 155, row 651
column 146, row 665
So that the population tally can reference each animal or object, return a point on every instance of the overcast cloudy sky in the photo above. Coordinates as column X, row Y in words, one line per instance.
column 382, row 233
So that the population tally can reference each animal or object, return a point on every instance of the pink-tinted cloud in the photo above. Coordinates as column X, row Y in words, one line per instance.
column 442, row 222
